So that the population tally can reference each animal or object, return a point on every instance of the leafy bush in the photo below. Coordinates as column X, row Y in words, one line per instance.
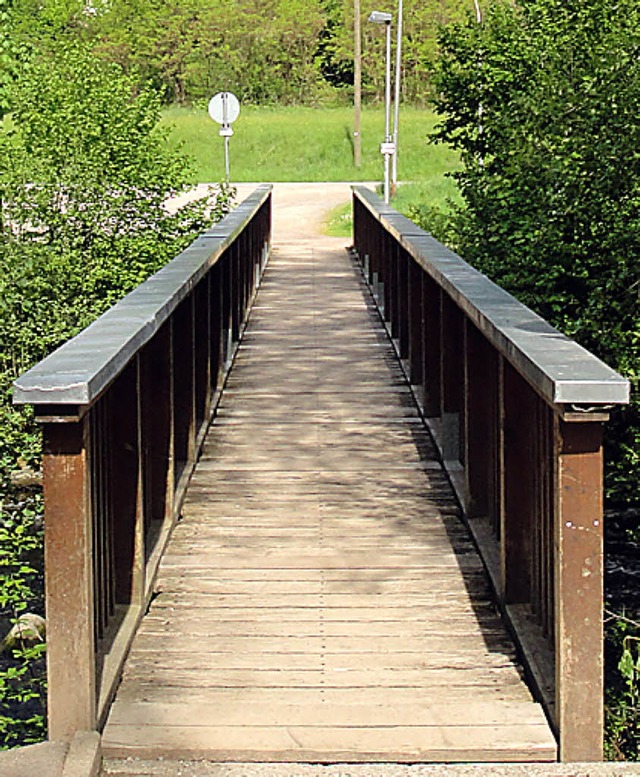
column 622, row 702
column 85, row 173
column 22, row 669
column 541, row 100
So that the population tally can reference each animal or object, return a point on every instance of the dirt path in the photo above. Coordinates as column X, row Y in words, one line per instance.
column 300, row 209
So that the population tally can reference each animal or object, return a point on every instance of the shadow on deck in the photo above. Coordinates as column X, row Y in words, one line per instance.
column 320, row 599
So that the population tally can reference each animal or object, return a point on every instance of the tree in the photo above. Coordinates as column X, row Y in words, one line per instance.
column 84, row 174
column 551, row 176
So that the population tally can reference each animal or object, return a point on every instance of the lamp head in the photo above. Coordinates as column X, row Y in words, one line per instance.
column 380, row 17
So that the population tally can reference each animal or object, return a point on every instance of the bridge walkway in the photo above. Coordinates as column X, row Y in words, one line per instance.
column 321, row 600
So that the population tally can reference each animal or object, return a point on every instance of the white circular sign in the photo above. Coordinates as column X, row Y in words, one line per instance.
column 224, row 107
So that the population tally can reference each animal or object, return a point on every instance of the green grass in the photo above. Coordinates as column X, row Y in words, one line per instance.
column 308, row 144
column 437, row 192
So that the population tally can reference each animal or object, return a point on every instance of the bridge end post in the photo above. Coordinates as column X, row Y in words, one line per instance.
column 69, row 583
column 579, row 590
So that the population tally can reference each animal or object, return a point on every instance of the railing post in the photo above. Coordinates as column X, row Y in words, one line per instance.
column 69, row 580
column 519, row 464
column 123, row 446
column 578, row 575
column 482, row 425
column 416, row 325
column 404, row 301
column 452, row 380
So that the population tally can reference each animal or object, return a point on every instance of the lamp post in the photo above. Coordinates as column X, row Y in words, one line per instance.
column 396, row 115
column 387, row 148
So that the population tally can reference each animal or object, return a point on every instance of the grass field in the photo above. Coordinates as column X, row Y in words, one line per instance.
column 316, row 144
column 307, row 144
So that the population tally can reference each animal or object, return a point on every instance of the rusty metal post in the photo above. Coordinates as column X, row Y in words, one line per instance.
column 69, row 581
column 579, row 591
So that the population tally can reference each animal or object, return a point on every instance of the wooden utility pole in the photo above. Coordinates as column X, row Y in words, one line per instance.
column 357, row 83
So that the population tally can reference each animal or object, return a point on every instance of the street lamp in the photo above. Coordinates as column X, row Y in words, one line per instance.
column 388, row 147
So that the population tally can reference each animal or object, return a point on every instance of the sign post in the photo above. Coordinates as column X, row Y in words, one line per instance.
column 224, row 108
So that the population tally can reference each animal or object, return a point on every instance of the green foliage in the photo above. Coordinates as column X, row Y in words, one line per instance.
column 622, row 704
column 22, row 673
column 541, row 100
column 267, row 51
column 85, row 172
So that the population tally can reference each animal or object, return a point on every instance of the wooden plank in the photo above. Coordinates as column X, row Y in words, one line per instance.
column 237, row 713
column 329, row 559
column 475, row 645
column 276, row 656
column 302, row 743
column 135, row 690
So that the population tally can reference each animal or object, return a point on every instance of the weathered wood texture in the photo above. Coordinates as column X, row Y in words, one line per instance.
column 516, row 410
column 320, row 599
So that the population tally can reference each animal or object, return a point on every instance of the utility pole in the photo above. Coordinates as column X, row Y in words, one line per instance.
column 397, row 89
column 357, row 83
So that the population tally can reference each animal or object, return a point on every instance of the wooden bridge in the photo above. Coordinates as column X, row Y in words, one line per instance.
column 386, row 547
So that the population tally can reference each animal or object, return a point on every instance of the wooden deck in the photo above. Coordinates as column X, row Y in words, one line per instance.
column 320, row 599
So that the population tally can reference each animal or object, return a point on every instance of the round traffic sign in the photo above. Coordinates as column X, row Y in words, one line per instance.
column 224, row 107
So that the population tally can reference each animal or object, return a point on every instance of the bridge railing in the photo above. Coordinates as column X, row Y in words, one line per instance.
column 517, row 411
column 125, row 406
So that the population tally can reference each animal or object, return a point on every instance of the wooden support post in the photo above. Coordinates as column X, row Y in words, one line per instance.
column 157, row 428
column 519, row 463
column 481, row 410
column 432, row 313
column 202, row 378
column 579, row 595
column 452, row 380
column 403, row 296
column 69, row 581
column 126, row 488
column 416, row 324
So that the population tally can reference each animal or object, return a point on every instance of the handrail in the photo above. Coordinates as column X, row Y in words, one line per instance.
column 125, row 406
column 516, row 409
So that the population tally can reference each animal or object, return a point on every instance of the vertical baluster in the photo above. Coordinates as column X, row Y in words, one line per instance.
column 124, row 485
column 217, row 328
column 201, row 355
column 452, row 380
column 481, row 412
column 416, row 324
column 403, row 300
column 157, row 434
column 183, row 387
column 432, row 359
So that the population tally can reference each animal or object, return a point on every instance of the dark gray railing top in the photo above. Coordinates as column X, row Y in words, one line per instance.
column 78, row 371
column 562, row 371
